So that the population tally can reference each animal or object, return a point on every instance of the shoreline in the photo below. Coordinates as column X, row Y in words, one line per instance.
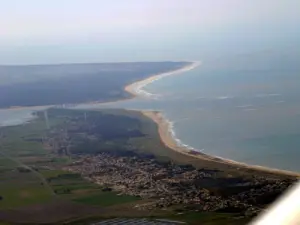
column 168, row 139
column 167, row 136
column 136, row 88
column 164, row 126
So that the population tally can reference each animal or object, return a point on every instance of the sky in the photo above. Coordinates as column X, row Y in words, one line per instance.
column 58, row 31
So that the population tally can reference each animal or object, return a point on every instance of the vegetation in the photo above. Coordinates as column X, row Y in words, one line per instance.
column 73, row 83
column 31, row 174
column 20, row 186
column 106, row 199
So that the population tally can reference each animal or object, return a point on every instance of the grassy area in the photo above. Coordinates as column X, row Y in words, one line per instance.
column 106, row 199
column 18, row 144
column 54, row 173
column 69, row 184
column 21, row 188
column 25, row 140
column 82, row 191
column 16, row 196
column 22, row 146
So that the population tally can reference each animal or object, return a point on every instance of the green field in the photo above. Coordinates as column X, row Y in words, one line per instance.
column 69, row 184
column 15, row 196
column 106, row 199
column 20, row 147
column 32, row 175
column 19, row 186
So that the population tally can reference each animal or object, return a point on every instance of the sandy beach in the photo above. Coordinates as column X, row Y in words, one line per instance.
column 136, row 88
column 168, row 139
column 164, row 129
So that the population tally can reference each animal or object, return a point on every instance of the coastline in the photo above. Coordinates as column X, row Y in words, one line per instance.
column 167, row 137
column 136, row 88
column 164, row 126
column 133, row 89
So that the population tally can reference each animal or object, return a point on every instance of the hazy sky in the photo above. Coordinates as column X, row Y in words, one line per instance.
column 42, row 31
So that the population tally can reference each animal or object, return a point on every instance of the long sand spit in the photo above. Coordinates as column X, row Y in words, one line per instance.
column 166, row 133
column 136, row 88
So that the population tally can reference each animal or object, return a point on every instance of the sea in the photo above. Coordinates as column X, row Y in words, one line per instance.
column 245, row 107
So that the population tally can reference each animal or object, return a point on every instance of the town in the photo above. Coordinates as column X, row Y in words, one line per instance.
column 166, row 185
column 160, row 183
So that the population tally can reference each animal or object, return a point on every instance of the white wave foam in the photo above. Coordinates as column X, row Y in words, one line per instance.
column 171, row 130
column 138, row 87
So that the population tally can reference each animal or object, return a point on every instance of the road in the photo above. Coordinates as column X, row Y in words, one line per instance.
column 36, row 173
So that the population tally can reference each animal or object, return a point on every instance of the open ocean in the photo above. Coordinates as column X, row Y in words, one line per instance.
column 245, row 108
